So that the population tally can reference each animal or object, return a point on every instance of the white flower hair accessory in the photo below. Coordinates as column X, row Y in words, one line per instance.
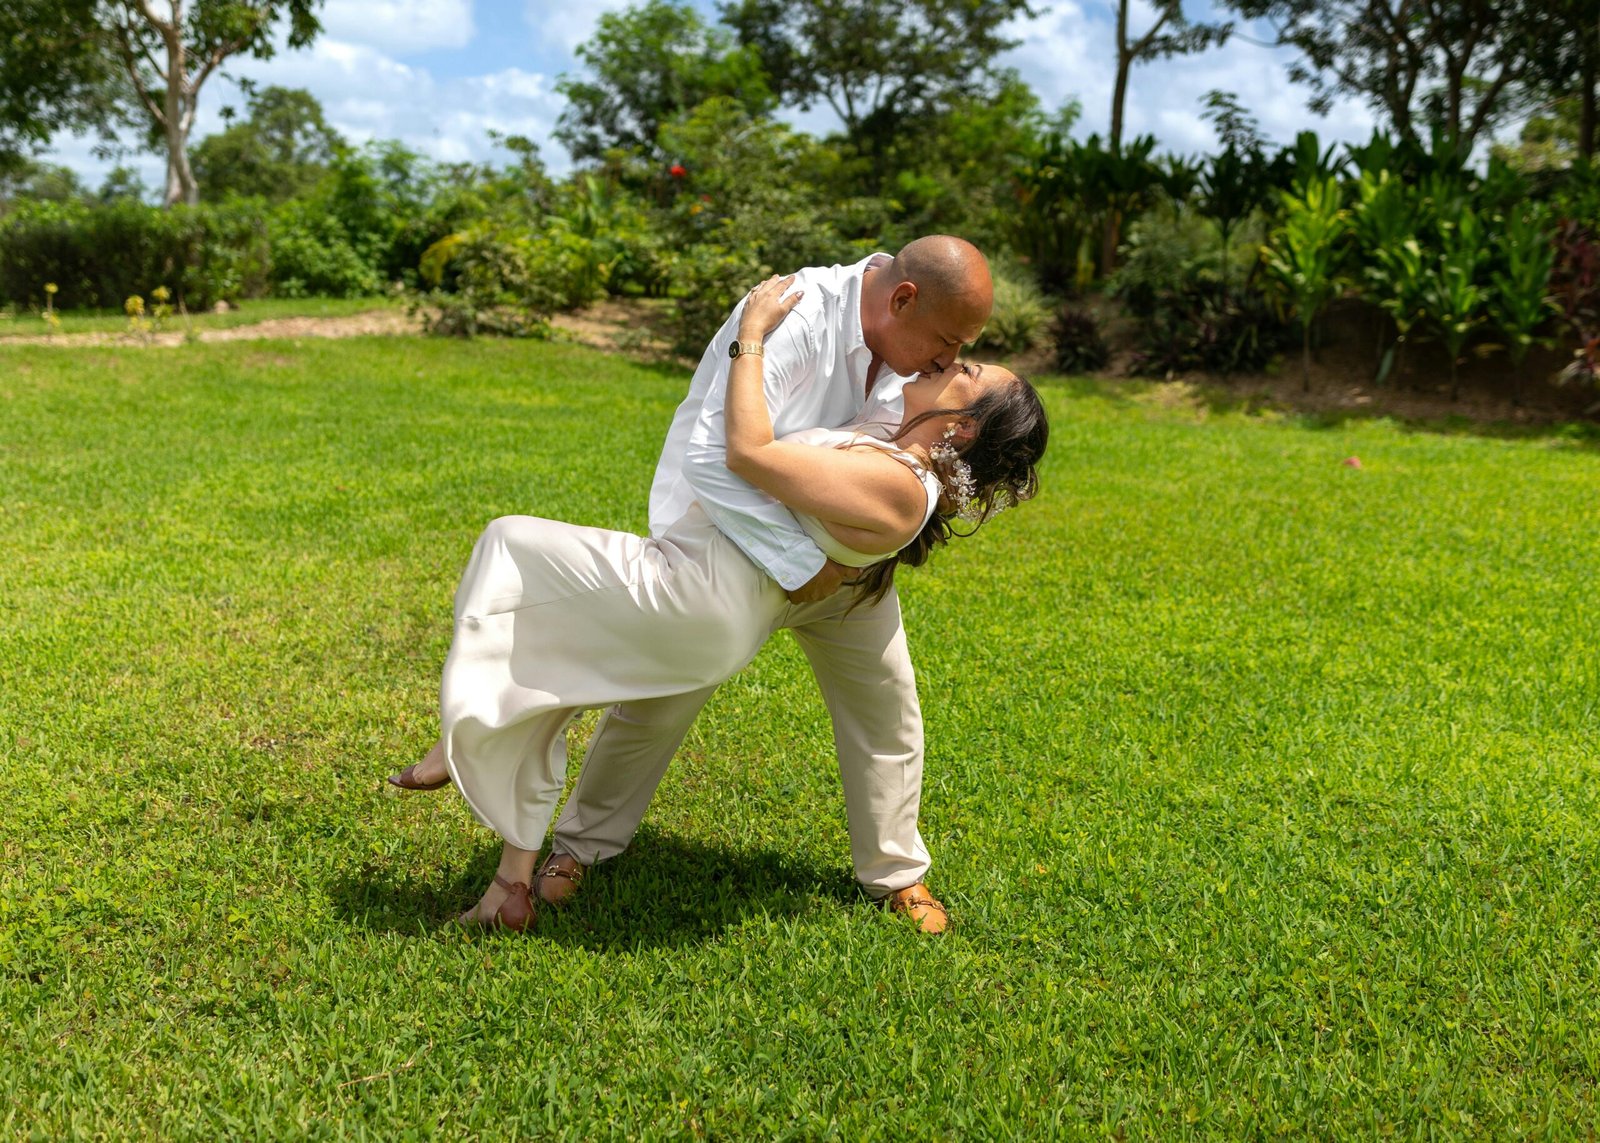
column 959, row 484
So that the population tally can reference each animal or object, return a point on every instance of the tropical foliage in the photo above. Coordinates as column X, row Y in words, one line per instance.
column 689, row 185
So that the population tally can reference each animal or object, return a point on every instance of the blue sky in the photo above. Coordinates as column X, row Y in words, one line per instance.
column 441, row 74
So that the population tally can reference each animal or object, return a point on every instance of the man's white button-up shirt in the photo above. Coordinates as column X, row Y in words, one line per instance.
column 815, row 375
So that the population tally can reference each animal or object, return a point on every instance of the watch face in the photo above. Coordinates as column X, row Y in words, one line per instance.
column 733, row 350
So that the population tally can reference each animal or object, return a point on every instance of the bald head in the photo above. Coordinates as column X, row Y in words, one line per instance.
column 949, row 272
column 933, row 298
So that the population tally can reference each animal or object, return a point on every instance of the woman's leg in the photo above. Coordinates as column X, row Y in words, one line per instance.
column 553, row 618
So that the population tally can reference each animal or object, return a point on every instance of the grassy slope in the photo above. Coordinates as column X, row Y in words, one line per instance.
column 1263, row 789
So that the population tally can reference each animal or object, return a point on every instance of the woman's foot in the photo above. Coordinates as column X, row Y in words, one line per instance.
column 429, row 774
column 504, row 905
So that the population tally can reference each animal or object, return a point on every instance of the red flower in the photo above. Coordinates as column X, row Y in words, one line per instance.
column 677, row 170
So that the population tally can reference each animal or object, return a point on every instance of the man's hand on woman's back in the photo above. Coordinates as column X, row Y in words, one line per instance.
column 821, row 585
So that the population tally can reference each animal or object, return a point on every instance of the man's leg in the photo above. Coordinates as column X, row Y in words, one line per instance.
column 864, row 669
column 627, row 758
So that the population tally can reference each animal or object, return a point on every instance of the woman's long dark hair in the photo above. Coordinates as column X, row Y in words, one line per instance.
column 1009, row 438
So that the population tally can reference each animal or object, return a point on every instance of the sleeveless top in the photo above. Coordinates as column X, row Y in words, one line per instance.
column 837, row 438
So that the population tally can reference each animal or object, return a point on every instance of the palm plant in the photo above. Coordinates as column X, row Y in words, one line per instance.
column 1232, row 185
column 1385, row 223
column 1303, row 256
column 1520, row 302
column 1452, row 299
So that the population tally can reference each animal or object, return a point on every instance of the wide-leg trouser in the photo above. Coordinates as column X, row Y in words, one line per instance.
column 552, row 618
column 863, row 667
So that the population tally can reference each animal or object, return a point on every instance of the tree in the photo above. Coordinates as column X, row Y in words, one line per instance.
column 27, row 180
column 280, row 152
column 878, row 64
column 1455, row 63
column 1564, row 78
column 1171, row 35
column 983, row 146
column 54, row 75
column 194, row 38
column 650, row 64
column 1233, row 182
column 122, row 184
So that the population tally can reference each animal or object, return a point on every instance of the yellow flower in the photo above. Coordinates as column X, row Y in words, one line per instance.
column 51, row 288
column 161, row 293
column 134, row 306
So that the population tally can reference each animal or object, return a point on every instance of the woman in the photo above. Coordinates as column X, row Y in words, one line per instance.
column 551, row 618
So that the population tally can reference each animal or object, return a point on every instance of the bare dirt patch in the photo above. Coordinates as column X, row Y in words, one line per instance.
column 632, row 326
column 375, row 322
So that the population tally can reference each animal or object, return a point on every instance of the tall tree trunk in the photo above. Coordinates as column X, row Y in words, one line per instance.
column 1119, row 93
column 181, row 184
column 1111, row 235
column 1110, row 239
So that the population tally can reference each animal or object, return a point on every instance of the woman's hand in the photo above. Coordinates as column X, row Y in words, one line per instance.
column 765, row 306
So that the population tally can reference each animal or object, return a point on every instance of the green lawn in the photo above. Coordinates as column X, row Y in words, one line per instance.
column 1263, row 789
column 31, row 324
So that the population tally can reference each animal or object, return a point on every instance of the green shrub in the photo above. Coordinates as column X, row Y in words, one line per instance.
column 1079, row 346
column 312, row 254
column 747, row 207
column 1017, row 322
column 503, row 282
column 709, row 280
column 1195, row 329
column 1171, row 249
column 100, row 254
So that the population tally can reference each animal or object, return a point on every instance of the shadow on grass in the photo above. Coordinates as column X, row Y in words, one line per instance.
column 664, row 891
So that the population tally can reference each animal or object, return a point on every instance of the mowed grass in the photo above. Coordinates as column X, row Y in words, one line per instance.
column 1263, row 789
column 21, row 322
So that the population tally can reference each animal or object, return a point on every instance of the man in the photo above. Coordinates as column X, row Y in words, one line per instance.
column 841, row 356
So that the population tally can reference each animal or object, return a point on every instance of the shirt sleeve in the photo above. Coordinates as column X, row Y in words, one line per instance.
column 763, row 528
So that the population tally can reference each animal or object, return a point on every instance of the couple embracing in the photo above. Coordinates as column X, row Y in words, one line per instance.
column 829, row 435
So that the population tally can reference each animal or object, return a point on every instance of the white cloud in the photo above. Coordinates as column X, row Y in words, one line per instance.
column 368, row 95
column 565, row 24
column 400, row 27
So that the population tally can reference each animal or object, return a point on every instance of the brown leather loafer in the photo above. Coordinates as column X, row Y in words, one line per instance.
column 921, row 906
column 558, row 878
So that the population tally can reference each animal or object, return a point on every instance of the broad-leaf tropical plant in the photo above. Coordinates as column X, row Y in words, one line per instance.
column 1384, row 223
column 1521, row 301
column 1452, row 298
column 1304, row 253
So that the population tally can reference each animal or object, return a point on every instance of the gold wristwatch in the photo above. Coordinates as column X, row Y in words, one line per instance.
column 739, row 347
